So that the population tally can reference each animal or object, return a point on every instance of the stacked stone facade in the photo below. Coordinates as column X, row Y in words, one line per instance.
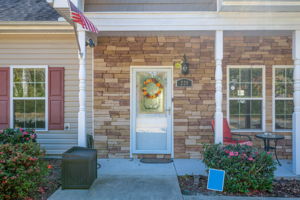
column 193, row 106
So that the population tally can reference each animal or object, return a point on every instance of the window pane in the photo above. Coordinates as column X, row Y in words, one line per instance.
column 234, row 107
column 245, row 90
column 29, row 114
column 245, row 74
column 279, row 107
column 244, row 122
column 256, row 107
column 234, row 75
column 280, row 75
column 289, row 75
column 233, row 90
column 257, row 75
column 18, row 75
column 40, row 75
column 280, row 90
column 18, row 90
column 279, row 122
column 28, row 89
column 244, row 107
column 289, row 89
column 40, row 114
column 28, row 75
column 40, row 90
column 234, row 121
column 289, row 106
column 256, row 90
column 256, row 121
column 289, row 122
column 19, row 113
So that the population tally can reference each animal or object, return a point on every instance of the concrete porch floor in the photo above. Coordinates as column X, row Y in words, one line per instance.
column 130, row 179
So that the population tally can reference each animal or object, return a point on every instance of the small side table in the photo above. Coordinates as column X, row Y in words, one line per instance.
column 267, row 138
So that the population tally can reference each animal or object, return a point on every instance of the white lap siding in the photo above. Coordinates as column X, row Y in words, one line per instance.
column 54, row 50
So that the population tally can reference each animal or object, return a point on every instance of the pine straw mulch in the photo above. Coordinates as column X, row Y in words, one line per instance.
column 192, row 185
column 52, row 181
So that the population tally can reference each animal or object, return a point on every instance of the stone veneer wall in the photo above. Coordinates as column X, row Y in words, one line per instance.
column 193, row 107
column 267, row 51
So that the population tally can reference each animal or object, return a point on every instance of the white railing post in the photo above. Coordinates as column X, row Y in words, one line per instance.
column 218, row 94
column 296, row 114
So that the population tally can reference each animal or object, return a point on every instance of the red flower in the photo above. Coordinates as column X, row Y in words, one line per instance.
column 251, row 159
column 231, row 153
column 50, row 166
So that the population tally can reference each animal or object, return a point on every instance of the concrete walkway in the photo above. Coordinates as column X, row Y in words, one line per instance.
column 128, row 179
column 131, row 180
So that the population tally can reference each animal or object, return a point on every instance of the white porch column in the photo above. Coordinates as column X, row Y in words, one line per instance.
column 296, row 114
column 218, row 95
column 82, row 90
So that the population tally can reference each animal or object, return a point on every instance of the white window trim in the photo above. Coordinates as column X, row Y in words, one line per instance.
column 274, row 98
column 263, row 97
column 33, row 98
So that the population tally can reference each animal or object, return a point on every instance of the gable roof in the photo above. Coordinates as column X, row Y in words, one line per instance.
column 27, row 10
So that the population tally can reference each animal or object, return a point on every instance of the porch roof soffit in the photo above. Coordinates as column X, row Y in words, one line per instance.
column 186, row 21
column 193, row 21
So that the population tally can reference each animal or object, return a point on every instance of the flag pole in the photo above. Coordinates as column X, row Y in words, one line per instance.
column 75, row 30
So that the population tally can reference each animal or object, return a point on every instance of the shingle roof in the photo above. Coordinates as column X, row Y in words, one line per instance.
column 27, row 10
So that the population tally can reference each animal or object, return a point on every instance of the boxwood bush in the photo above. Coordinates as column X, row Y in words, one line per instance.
column 246, row 169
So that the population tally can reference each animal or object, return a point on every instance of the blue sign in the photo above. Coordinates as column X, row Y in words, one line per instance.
column 216, row 179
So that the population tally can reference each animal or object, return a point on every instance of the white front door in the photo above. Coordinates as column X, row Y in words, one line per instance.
column 151, row 110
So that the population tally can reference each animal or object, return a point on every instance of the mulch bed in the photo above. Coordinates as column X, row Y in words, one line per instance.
column 52, row 181
column 192, row 185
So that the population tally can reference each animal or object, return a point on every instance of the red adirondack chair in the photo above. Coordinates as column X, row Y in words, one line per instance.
column 232, row 138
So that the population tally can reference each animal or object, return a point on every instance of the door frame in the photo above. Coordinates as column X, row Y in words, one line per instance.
column 133, row 112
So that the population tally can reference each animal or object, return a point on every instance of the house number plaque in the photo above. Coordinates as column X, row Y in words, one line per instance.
column 184, row 82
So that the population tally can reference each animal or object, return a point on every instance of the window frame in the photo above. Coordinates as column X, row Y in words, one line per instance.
column 12, row 98
column 274, row 98
column 263, row 98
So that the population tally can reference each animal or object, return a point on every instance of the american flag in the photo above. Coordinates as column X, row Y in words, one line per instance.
column 78, row 17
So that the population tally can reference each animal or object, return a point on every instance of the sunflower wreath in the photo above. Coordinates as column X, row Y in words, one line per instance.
column 145, row 89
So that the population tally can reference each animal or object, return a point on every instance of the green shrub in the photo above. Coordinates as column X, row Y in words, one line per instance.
column 15, row 136
column 21, row 170
column 246, row 169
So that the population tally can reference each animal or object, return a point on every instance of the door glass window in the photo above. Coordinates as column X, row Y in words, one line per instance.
column 151, row 92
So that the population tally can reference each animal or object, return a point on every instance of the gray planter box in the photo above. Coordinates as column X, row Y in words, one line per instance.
column 79, row 168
